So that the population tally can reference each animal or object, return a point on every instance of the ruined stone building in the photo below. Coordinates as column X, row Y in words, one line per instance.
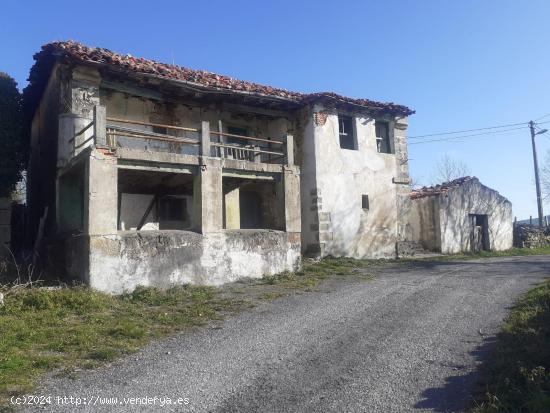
column 144, row 173
column 461, row 216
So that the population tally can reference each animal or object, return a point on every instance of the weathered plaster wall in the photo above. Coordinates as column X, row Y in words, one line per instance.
column 307, row 142
column 474, row 198
column 424, row 222
column 342, row 176
column 122, row 261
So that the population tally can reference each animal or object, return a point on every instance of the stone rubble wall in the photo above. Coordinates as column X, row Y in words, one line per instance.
column 528, row 236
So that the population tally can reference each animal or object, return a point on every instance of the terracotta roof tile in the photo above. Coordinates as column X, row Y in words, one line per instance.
column 439, row 189
column 92, row 55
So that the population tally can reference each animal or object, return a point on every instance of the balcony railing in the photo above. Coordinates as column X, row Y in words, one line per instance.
column 115, row 133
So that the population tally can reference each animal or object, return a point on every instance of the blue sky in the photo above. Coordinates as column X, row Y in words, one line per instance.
column 460, row 64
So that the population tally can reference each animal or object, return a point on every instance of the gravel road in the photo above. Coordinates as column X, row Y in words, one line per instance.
column 410, row 340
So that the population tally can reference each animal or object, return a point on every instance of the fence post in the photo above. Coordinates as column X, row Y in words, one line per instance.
column 290, row 150
column 100, row 125
column 205, row 138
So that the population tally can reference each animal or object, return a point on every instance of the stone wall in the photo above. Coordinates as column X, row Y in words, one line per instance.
column 527, row 236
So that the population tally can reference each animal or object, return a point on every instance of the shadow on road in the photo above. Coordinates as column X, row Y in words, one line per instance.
column 490, row 266
column 461, row 390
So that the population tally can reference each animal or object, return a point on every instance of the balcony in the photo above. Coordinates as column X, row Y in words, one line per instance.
column 124, row 135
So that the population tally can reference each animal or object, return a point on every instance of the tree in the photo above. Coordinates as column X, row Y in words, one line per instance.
column 13, row 142
column 449, row 169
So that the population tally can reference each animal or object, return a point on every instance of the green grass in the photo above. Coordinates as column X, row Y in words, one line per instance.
column 77, row 327
column 513, row 252
column 518, row 372
column 312, row 274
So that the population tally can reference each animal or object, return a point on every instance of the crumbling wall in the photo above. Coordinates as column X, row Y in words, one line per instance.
column 121, row 262
column 424, row 222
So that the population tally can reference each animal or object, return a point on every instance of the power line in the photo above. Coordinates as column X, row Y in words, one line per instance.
column 467, row 130
column 542, row 117
column 455, row 138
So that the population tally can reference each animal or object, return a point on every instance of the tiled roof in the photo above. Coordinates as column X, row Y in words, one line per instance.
column 201, row 78
column 440, row 189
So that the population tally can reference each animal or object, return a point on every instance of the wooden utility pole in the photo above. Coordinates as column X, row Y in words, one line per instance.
column 537, row 179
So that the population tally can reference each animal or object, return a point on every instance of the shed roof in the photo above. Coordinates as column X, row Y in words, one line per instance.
column 440, row 188
column 98, row 56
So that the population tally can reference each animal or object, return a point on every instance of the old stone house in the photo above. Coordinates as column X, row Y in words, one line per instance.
column 461, row 216
column 143, row 173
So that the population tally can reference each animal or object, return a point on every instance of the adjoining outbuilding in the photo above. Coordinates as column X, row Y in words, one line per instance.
column 462, row 215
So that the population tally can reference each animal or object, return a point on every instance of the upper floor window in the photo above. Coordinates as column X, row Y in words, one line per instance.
column 383, row 144
column 346, row 132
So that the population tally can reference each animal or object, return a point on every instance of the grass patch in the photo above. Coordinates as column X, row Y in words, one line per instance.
column 77, row 327
column 518, row 371
column 312, row 274
column 512, row 252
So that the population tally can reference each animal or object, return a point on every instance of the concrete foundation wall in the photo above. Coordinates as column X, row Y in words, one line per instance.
column 474, row 198
column 121, row 262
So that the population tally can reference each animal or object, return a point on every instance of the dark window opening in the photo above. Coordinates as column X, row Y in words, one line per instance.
column 365, row 202
column 346, row 133
column 234, row 130
column 383, row 144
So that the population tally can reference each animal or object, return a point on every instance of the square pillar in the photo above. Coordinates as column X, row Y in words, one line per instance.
column 101, row 194
column 292, row 207
column 208, row 197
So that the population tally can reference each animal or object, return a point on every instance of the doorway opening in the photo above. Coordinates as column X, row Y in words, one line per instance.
column 479, row 237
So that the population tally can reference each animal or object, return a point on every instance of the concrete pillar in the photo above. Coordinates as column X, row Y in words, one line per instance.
column 292, row 207
column 101, row 194
column 289, row 150
column 100, row 125
column 205, row 138
column 208, row 197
